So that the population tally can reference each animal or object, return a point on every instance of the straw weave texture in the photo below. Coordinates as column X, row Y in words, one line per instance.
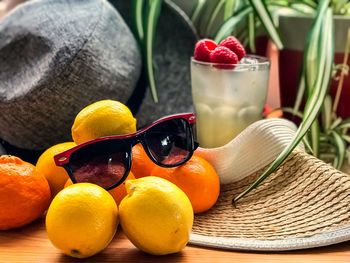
column 304, row 197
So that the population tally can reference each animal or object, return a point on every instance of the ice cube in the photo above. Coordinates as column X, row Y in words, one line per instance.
column 225, row 123
column 248, row 60
column 248, row 115
column 248, row 64
column 204, row 125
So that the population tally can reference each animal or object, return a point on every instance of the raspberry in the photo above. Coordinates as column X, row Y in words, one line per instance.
column 234, row 45
column 203, row 50
column 223, row 55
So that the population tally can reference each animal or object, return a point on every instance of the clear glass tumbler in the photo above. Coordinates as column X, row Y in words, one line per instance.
column 228, row 98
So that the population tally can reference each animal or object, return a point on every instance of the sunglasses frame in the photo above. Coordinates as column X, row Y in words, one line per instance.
column 63, row 159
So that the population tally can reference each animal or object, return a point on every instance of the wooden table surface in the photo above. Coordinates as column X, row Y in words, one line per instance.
column 30, row 244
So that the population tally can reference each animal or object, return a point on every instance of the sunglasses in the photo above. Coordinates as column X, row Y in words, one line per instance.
column 106, row 161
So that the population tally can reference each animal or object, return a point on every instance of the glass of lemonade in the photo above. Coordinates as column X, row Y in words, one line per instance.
column 228, row 98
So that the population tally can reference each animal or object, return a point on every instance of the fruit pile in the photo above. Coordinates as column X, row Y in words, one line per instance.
column 155, row 205
column 229, row 51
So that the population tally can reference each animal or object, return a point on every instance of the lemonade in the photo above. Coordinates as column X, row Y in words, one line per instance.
column 228, row 100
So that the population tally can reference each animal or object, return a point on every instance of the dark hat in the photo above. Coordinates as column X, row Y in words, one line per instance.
column 56, row 57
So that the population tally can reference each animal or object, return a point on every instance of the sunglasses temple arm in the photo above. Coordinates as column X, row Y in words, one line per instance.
column 69, row 172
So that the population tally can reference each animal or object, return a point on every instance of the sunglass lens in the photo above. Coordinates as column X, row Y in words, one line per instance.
column 170, row 142
column 105, row 164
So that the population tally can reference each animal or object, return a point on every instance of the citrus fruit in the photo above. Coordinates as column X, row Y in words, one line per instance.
column 197, row 178
column 24, row 193
column 55, row 175
column 82, row 220
column 141, row 165
column 117, row 193
column 102, row 118
column 156, row 215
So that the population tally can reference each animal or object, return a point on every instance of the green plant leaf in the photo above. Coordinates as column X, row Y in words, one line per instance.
column 278, row 2
column 301, row 91
column 214, row 16
column 303, row 8
column 137, row 15
column 230, row 25
column 152, row 15
column 338, row 6
column 305, row 139
column 311, row 3
column 315, row 138
column 205, row 16
column 327, row 113
column 346, row 138
column 345, row 124
column 251, row 32
column 198, row 11
column 266, row 20
column 242, row 36
column 343, row 128
column 229, row 8
column 340, row 147
column 312, row 70
column 307, row 145
column 293, row 111
column 347, row 9
column 319, row 91
column 336, row 122
column 311, row 59
column 241, row 4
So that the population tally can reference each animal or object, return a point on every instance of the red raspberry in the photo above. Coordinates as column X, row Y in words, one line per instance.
column 234, row 45
column 203, row 49
column 223, row 55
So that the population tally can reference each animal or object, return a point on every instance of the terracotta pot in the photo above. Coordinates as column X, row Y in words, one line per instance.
column 293, row 31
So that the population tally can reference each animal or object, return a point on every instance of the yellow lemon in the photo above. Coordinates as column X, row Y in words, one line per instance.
column 156, row 215
column 55, row 175
column 102, row 118
column 82, row 220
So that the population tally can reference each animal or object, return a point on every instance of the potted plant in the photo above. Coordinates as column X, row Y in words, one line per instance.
column 247, row 19
column 291, row 57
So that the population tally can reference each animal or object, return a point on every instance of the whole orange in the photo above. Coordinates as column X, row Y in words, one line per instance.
column 24, row 193
column 197, row 178
column 117, row 193
column 141, row 165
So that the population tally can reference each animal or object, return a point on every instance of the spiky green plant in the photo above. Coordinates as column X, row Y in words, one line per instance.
column 248, row 18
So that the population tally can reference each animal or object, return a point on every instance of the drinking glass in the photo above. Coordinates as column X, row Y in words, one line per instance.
column 228, row 98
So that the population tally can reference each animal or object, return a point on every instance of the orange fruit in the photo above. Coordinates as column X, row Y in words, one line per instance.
column 141, row 165
column 24, row 193
column 197, row 178
column 55, row 175
column 117, row 193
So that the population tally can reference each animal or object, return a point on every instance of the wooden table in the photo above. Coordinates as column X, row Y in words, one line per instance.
column 30, row 244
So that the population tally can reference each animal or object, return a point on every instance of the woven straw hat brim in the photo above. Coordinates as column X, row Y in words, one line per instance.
column 254, row 148
column 304, row 204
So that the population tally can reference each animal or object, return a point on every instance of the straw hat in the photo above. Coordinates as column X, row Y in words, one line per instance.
column 304, row 204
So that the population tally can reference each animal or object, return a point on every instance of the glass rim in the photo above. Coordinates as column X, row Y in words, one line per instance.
column 262, row 61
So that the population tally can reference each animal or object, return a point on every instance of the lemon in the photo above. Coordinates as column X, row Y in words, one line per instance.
column 102, row 118
column 55, row 175
column 82, row 220
column 156, row 215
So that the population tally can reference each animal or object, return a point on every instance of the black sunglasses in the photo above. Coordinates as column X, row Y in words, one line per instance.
column 106, row 161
